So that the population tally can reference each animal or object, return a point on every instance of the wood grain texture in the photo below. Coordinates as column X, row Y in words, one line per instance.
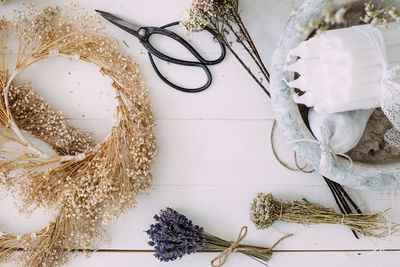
column 214, row 150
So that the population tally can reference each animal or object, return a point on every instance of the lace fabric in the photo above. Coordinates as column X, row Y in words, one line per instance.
column 390, row 89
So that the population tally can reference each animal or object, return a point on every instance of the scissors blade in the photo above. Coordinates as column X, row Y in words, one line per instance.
column 123, row 24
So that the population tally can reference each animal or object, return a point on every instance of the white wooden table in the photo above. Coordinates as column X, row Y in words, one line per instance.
column 214, row 151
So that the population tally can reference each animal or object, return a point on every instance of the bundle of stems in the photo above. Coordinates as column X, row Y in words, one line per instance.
column 266, row 209
column 174, row 236
column 223, row 17
column 213, row 243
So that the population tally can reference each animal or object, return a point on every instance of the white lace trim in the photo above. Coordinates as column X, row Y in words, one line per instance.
column 390, row 90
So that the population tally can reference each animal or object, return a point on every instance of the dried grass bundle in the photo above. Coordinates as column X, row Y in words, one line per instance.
column 266, row 209
column 90, row 184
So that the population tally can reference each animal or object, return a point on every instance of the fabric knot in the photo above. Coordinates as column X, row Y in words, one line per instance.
column 328, row 155
column 325, row 148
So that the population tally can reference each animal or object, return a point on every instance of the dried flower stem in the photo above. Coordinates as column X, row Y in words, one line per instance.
column 174, row 235
column 254, row 50
column 222, row 16
column 266, row 209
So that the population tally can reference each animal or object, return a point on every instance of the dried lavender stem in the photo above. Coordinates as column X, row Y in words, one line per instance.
column 240, row 41
column 239, row 22
column 227, row 44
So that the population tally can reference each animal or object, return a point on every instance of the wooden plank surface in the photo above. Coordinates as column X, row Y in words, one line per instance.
column 214, row 150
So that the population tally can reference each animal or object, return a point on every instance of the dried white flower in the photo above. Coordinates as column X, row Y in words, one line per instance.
column 96, row 177
column 339, row 15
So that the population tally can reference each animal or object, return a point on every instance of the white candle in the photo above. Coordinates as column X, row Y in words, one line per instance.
column 333, row 107
column 339, row 70
column 345, row 38
column 360, row 58
column 330, row 99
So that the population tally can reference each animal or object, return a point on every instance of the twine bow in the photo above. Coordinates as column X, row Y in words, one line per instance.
column 328, row 155
column 234, row 247
column 221, row 258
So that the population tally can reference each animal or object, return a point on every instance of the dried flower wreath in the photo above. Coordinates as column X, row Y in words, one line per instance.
column 89, row 184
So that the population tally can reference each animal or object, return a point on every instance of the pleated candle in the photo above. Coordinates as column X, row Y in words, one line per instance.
column 339, row 70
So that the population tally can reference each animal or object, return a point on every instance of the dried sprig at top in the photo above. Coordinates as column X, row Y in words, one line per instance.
column 223, row 17
column 203, row 12
column 90, row 184
column 342, row 15
column 381, row 14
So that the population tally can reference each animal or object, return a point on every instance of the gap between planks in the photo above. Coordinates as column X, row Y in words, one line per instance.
column 274, row 251
column 183, row 119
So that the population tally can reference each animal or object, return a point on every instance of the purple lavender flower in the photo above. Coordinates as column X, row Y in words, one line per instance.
column 174, row 236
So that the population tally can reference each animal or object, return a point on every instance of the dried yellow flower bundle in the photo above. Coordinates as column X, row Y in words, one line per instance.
column 266, row 209
column 89, row 184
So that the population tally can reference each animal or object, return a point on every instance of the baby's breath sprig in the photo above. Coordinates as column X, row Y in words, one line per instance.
column 332, row 15
column 381, row 14
column 224, row 18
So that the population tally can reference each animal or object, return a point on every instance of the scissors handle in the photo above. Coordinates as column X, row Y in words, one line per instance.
column 146, row 32
column 180, row 88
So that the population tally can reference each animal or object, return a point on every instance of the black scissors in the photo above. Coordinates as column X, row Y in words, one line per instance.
column 143, row 34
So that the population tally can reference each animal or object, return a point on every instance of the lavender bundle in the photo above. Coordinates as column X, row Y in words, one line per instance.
column 266, row 209
column 222, row 16
column 174, row 236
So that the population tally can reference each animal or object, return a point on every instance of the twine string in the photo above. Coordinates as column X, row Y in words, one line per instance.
column 280, row 161
column 234, row 247
column 222, row 258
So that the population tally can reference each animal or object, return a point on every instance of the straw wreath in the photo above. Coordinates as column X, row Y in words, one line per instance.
column 266, row 209
column 89, row 184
